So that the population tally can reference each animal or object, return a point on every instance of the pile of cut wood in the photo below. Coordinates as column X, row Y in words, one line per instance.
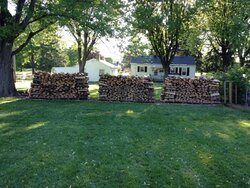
column 187, row 90
column 124, row 88
column 59, row 86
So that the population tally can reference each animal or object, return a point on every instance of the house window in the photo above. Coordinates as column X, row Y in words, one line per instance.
column 172, row 70
column 141, row 69
column 101, row 71
column 184, row 71
column 161, row 70
column 188, row 71
column 155, row 73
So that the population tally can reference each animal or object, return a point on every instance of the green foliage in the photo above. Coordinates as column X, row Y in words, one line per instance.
column 89, row 20
column 222, row 29
column 239, row 75
column 72, row 55
column 136, row 47
column 163, row 23
column 46, row 48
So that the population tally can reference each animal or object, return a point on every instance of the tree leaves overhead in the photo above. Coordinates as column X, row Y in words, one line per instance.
column 88, row 21
column 226, row 27
column 99, row 16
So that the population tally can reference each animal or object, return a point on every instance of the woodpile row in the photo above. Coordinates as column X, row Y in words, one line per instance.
column 187, row 90
column 59, row 86
column 124, row 88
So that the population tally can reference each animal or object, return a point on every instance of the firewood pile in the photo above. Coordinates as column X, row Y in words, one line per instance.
column 128, row 89
column 59, row 86
column 187, row 90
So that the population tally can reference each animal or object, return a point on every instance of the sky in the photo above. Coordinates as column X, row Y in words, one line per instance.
column 107, row 47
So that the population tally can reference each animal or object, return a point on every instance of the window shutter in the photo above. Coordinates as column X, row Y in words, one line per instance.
column 176, row 70
column 188, row 71
column 138, row 68
column 146, row 69
column 180, row 69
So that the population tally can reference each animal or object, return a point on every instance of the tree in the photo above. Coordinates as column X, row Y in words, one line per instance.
column 135, row 48
column 44, row 50
column 27, row 13
column 163, row 23
column 90, row 21
column 227, row 29
column 72, row 55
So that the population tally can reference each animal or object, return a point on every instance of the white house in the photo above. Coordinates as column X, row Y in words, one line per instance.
column 182, row 66
column 93, row 67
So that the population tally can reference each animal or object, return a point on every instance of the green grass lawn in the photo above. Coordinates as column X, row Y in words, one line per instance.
column 100, row 144
column 158, row 90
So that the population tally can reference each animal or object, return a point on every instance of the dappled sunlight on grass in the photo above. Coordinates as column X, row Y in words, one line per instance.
column 93, row 90
column 36, row 125
column 3, row 125
column 245, row 124
column 14, row 113
column 130, row 112
column 101, row 144
column 7, row 100
column 205, row 158
column 158, row 90
column 223, row 135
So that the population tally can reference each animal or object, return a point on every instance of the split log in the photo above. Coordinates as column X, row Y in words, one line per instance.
column 59, row 86
column 186, row 90
column 124, row 88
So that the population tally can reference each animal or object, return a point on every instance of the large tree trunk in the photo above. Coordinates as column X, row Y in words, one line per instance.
column 7, row 84
column 165, row 66
column 82, row 65
column 79, row 50
column 32, row 62
column 14, row 67
column 227, row 57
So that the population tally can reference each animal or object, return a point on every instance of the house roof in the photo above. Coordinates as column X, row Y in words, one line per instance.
column 184, row 60
column 108, row 64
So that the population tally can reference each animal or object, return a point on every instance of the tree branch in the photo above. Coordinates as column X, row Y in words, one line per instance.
column 32, row 34
column 72, row 29
column 214, row 48
column 247, row 52
column 19, row 10
column 31, row 9
column 38, row 18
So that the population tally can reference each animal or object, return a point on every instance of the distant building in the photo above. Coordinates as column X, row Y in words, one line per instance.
column 93, row 67
column 182, row 66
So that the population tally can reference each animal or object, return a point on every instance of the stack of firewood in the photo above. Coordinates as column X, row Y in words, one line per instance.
column 186, row 90
column 59, row 86
column 124, row 88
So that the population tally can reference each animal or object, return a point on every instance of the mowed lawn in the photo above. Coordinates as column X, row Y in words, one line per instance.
column 100, row 144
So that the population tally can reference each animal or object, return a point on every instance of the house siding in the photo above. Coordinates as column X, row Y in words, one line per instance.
column 160, row 75
column 92, row 67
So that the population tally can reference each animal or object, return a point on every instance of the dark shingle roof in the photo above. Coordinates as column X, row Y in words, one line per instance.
column 186, row 60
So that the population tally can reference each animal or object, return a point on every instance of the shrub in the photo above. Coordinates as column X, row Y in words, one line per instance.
column 239, row 75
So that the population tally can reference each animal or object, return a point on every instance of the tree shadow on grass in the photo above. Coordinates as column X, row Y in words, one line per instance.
column 61, row 143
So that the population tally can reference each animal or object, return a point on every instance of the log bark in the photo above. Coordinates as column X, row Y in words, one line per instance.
column 59, row 86
column 186, row 90
column 128, row 89
column 7, row 83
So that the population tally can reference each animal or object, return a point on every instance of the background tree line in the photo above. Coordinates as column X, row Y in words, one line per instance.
column 215, row 32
